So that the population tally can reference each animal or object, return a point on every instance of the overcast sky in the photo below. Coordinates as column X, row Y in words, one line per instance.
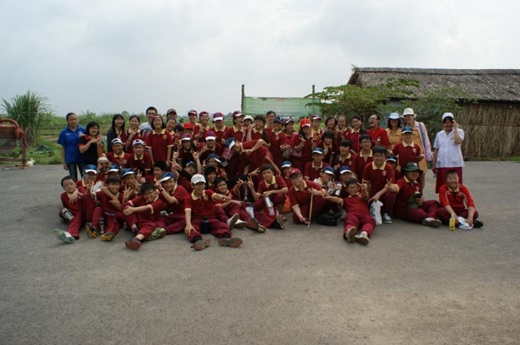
column 110, row 56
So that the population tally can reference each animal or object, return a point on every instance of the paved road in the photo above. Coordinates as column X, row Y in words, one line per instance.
column 410, row 285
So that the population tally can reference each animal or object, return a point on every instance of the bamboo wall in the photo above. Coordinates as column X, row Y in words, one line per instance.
column 491, row 130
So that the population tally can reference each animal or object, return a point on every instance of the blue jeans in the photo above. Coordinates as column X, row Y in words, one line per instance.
column 73, row 170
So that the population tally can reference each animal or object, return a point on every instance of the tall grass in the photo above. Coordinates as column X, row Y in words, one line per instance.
column 29, row 110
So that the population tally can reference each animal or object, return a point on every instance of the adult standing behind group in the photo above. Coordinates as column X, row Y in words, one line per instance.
column 447, row 153
column 116, row 130
column 394, row 131
column 420, row 137
column 68, row 139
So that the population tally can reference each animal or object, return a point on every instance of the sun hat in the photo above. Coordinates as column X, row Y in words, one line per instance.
column 409, row 111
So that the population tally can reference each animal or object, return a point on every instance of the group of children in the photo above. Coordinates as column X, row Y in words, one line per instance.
column 209, row 180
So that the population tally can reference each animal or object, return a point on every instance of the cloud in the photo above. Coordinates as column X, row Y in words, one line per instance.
column 126, row 55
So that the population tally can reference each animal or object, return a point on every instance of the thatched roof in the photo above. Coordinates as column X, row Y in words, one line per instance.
column 493, row 85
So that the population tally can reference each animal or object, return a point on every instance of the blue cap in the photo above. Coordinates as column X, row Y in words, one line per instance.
column 90, row 168
column 407, row 129
column 286, row 164
column 278, row 119
column 189, row 163
column 391, row 159
column 128, row 171
column 230, row 142
column 167, row 176
column 318, row 150
column 114, row 168
column 328, row 170
column 215, row 157
column 345, row 169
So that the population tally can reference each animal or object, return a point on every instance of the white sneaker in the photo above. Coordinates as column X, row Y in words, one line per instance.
column 232, row 221
column 387, row 219
column 362, row 238
column 240, row 224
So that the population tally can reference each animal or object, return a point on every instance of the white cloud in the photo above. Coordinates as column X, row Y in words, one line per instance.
column 109, row 56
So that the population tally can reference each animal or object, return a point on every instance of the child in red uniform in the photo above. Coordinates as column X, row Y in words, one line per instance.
column 313, row 168
column 140, row 161
column 273, row 187
column 363, row 157
column 355, row 134
column 410, row 204
column 457, row 202
column 108, row 212
column 378, row 176
column 277, row 139
column 357, row 216
column 345, row 156
column 141, row 215
column 233, row 210
column 159, row 142
column 407, row 151
column 71, row 200
column 200, row 217
column 301, row 194
column 175, row 196
column 117, row 155
column 328, row 145
column 220, row 128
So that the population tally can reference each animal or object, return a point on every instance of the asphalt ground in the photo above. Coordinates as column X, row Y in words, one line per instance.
column 410, row 285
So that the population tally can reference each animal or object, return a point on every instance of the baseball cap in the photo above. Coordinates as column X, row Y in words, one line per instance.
column 328, row 170
column 137, row 142
column 187, row 125
column 295, row 171
column 197, row 178
column 318, row 150
column 192, row 112
column 345, row 169
column 278, row 119
column 167, row 176
column 114, row 168
column 230, row 142
column 447, row 115
column 171, row 110
column 237, row 113
column 316, row 117
column 305, row 123
column 392, row 159
column 128, row 171
column 248, row 117
column 286, row 164
column 102, row 159
column 116, row 141
column 215, row 157
column 394, row 116
column 218, row 116
column 91, row 168
column 186, row 137
column 407, row 129
column 210, row 135
column 188, row 163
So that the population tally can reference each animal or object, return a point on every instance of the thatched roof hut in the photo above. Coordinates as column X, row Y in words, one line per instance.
column 492, row 123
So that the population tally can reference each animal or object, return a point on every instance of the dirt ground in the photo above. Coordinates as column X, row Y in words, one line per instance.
column 410, row 285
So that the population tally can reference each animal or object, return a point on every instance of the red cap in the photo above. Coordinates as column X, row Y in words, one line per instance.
column 218, row 116
column 192, row 112
column 305, row 123
column 204, row 112
column 187, row 125
column 295, row 171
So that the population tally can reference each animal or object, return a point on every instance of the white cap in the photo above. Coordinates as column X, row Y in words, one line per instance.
column 248, row 117
column 394, row 116
column 197, row 178
column 445, row 115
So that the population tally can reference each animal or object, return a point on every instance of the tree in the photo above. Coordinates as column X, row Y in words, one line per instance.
column 29, row 110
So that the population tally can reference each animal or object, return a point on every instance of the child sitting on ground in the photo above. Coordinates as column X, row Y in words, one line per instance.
column 71, row 200
column 107, row 216
column 457, row 202
column 358, row 215
column 141, row 215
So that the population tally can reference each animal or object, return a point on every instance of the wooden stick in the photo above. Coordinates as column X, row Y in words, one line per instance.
column 310, row 211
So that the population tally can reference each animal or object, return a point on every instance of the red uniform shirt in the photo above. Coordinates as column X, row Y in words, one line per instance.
column 278, row 183
column 106, row 205
column 181, row 194
column 459, row 199
column 312, row 172
column 203, row 206
column 233, row 132
column 277, row 140
column 341, row 161
column 75, row 207
column 356, row 205
column 358, row 163
column 157, row 206
column 141, row 164
column 219, row 134
column 405, row 195
column 354, row 139
column 159, row 143
column 120, row 160
column 406, row 153
column 378, row 177
column 255, row 159
column 302, row 196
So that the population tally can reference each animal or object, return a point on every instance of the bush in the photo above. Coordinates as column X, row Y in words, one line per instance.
column 29, row 110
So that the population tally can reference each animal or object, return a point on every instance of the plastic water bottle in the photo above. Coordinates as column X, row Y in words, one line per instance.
column 67, row 214
column 269, row 205
column 451, row 226
column 102, row 225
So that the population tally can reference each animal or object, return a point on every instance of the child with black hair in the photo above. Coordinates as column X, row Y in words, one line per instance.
column 107, row 218
column 357, row 213
column 72, row 202
column 141, row 215
column 270, row 198
column 363, row 157
column 159, row 142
